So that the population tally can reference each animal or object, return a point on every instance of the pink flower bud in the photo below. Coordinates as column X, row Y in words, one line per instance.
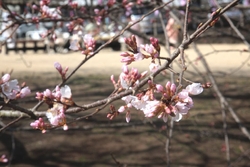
column 24, row 91
column 58, row 67
column 125, row 69
column 39, row 95
column 168, row 84
column 121, row 109
column 127, row 60
column 159, row 88
column 34, row 124
column 173, row 88
column 47, row 93
column 6, row 78
column 124, row 54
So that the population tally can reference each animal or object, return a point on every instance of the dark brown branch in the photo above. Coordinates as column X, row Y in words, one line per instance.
column 15, row 107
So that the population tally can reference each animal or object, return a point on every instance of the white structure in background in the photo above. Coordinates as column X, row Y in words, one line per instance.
column 8, row 34
column 88, row 2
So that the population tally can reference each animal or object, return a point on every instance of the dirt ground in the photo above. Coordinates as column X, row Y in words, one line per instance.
column 198, row 139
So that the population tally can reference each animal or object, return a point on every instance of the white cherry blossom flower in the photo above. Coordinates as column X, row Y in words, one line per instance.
column 150, row 108
column 194, row 88
column 56, row 115
column 177, row 117
column 10, row 89
column 66, row 92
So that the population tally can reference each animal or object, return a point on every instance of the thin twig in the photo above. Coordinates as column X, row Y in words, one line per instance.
column 169, row 136
column 220, row 95
column 11, row 123
column 185, row 37
column 223, row 112
column 236, row 30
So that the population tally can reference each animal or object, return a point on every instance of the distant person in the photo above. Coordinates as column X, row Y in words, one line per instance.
column 173, row 32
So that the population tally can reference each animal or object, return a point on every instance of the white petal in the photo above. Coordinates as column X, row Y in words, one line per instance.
column 165, row 118
column 177, row 117
column 194, row 88
column 66, row 91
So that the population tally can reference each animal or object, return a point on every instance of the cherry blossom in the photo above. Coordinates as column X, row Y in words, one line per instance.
column 89, row 43
column 155, row 43
column 130, row 78
column 152, row 108
column 127, row 58
column 5, row 78
column 195, row 88
column 39, row 124
column 149, row 48
column 56, row 115
column 4, row 159
column 127, row 109
column 172, row 103
column 10, row 89
column 24, row 91
column 65, row 92
column 59, row 68
column 58, row 100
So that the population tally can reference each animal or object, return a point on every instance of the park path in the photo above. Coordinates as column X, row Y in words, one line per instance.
column 108, row 61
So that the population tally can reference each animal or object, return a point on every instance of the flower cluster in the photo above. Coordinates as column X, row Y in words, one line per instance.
column 128, row 78
column 139, row 53
column 58, row 101
column 10, row 88
column 39, row 124
column 58, row 95
column 48, row 12
column 89, row 43
column 172, row 103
